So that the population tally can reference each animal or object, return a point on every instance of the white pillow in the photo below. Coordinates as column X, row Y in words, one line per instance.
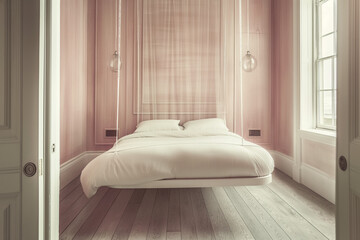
column 158, row 125
column 217, row 124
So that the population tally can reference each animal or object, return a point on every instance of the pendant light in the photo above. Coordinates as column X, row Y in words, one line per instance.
column 114, row 62
column 249, row 62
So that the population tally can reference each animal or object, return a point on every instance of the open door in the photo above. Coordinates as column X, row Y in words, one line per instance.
column 348, row 125
column 21, row 114
column 52, row 120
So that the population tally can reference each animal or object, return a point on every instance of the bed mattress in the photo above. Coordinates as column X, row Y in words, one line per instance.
column 140, row 158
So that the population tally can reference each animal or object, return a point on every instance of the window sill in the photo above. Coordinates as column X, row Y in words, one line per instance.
column 319, row 135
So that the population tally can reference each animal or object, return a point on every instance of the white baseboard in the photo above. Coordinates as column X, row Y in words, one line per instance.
column 283, row 162
column 311, row 177
column 73, row 167
column 318, row 181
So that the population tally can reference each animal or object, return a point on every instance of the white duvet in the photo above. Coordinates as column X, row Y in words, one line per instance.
column 149, row 156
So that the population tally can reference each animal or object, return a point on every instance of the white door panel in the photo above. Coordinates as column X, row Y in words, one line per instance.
column 9, row 216
column 31, row 118
column 19, row 81
column 348, row 141
column 343, row 118
column 10, row 138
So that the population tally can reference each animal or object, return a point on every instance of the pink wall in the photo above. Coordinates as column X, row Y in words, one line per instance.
column 267, row 90
column 73, row 80
column 77, row 78
column 268, row 99
column 257, row 85
column 257, row 92
column 282, row 79
column 317, row 155
column 91, row 46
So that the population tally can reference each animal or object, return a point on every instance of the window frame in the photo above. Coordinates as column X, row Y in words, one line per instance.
column 317, row 60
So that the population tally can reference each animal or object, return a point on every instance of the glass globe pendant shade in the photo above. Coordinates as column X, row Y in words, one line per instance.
column 114, row 63
column 249, row 62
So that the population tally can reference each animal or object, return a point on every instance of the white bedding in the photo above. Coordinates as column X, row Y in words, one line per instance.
column 149, row 156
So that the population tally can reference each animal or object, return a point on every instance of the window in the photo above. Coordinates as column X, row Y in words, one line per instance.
column 325, row 63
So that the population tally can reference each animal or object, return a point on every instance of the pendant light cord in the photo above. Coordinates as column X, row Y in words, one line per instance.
column 118, row 37
column 116, row 23
column 248, row 24
column 241, row 80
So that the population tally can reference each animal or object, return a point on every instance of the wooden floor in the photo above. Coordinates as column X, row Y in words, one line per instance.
column 280, row 210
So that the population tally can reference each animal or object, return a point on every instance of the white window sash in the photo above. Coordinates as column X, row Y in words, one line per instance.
column 319, row 60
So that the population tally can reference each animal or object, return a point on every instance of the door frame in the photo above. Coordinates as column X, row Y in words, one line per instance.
column 346, row 73
column 52, row 118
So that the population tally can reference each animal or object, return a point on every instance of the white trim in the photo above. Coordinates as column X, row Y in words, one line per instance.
column 41, row 119
column 304, row 109
column 52, row 119
column 283, row 162
column 311, row 177
column 318, row 60
column 318, row 181
column 296, row 89
column 322, row 136
column 306, row 98
column 73, row 167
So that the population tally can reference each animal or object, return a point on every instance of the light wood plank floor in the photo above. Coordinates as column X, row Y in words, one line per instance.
column 283, row 209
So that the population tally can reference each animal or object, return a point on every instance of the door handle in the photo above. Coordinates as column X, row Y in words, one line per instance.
column 29, row 169
column 343, row 163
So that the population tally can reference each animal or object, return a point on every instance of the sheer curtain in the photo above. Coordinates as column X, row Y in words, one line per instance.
column 178, row 57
